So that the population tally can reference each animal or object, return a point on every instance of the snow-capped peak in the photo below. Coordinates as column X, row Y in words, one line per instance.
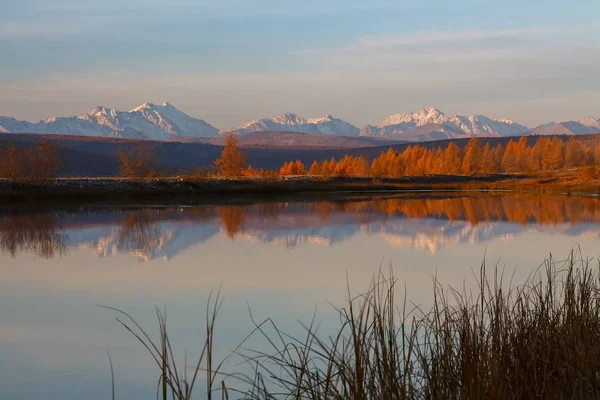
column 426, row 115
column 591, row 122
column 155, row 122
column 456, row 125
column 318, row 120
column 101, row 110
column 144, row 106
column 288, row 122
column 288, row 119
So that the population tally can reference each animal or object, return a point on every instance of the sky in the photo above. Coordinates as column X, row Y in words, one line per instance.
column 229, row 61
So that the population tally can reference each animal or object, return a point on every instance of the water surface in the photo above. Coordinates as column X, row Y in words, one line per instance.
column 286, row 260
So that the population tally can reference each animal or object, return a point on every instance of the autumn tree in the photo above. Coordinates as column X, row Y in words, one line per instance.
column 249, row 171
column 36, row 164
column 287, row 168
column 139, row 159
column 315, row 168
column 438, row 161
column 232, row 161
column 596, row 152
column 44, row 161
column 488, row 160
column 351, row 166
column 522, row 155
column 299, row 168
column 361, row 167
column 378, row 167
column 537, row 154
column 293, row 168
column 12, row 163
column 452, row 159
column 472, row 159
column 328, row 167
column 575, row 153
column 553, row 155
column 509, row 159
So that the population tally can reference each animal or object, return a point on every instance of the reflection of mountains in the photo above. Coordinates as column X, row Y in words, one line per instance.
column 427, row 224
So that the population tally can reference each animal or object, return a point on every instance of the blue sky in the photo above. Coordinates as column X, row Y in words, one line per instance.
column 231, row 60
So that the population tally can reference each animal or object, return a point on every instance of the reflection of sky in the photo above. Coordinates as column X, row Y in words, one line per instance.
column 54, row 338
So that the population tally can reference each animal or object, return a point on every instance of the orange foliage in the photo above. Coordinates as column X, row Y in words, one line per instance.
column 521, row 209
column 347, row 166
column 232, row 162
column 518, row 157
column 293, row 168
column 36, row 164
column 416, row 160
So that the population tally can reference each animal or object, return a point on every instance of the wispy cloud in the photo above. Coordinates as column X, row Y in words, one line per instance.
column 465, row 44
column 433, row 37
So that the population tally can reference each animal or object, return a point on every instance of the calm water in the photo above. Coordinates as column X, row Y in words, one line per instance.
column 284, row 260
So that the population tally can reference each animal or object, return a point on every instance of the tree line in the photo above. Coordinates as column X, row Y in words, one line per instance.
column 547, row 154
column 140, row 159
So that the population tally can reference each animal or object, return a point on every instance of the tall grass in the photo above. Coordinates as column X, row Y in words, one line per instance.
column 540, row 339
column 177, row 381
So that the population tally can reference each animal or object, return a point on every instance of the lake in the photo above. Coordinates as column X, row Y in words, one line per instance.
column 288, row 260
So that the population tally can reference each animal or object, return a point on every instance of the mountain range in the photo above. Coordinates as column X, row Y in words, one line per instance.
column 164, row 122
column 158, row 122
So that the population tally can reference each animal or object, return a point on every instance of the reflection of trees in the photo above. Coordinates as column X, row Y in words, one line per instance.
column 139, row 231
column 270, row 210
column 233, row 218
column 36, row 234
column 544, row 210
column 522, row 209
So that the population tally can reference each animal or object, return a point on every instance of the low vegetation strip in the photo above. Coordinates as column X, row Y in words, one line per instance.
column 113, row 189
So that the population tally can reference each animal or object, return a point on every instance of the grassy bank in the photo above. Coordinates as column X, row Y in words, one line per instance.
column 538, row 339
column 118, row 189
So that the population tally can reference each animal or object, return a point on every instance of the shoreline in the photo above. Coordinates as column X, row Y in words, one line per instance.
column 175, row 188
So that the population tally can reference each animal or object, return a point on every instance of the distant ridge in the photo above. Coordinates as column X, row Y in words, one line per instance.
column 166, row 122
column 565, row 128
column 296, row 140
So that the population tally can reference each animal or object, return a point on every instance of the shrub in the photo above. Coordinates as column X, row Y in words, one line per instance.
column 138, row 160
column 36, row 164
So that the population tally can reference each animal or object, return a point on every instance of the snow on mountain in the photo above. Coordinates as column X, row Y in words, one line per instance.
column 165, row 240
column 327, row 125
column 174, row 121
column 168, row 239
column 162, row 122
column 156, row 122
column 591, row 122
column 480, row 125
column 9, row 124
column 427, row 115
column 435, row 124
